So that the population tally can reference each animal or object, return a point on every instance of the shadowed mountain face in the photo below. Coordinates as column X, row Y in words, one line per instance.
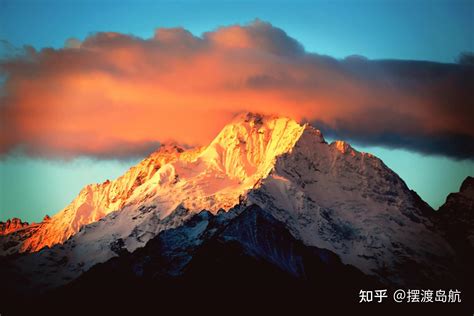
column 252, row 248
column 268, row 209
column 455, row 219
column 249, row 261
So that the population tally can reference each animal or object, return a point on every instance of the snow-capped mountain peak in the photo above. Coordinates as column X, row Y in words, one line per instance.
column 211, row 177
column 329, row 196
column 246, row 148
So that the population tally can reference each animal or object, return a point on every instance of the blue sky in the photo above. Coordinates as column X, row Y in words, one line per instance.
column 418, row 30
column 421, row 30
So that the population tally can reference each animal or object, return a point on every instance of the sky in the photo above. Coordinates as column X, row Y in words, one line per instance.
column 62, row 78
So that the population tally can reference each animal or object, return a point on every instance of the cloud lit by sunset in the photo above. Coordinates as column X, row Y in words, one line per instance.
column 112, row 95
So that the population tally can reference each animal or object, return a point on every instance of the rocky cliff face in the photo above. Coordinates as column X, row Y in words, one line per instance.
column 455, row 219
column 11, row 226
column 457, row 213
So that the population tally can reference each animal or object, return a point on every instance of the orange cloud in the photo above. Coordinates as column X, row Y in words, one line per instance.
column 114, row 95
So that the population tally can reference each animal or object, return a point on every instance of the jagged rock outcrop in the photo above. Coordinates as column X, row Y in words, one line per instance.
column 12, row 225
column 455, row 218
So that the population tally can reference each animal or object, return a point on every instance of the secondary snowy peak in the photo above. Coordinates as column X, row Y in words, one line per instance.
column 212, row 177
column 97, row 200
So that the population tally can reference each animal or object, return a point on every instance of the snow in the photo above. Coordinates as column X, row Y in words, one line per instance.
column 145, row 200
column 348, row 202
column 328, row 195
column 205, row 178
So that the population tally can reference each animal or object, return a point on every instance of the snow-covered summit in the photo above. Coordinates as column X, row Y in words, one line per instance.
column 329, row 196
column 210, row 177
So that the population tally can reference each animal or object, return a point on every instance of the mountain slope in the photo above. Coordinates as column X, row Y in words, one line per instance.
column 333, row 197
column 207, row 178
column 251, row 252
column 456, row 216
column 328, row 196
column 243, row 259
column 455, row 220
column 95, row 201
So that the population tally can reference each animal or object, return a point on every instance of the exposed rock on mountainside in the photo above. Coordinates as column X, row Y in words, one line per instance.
column 12, row 225
column 455, row 218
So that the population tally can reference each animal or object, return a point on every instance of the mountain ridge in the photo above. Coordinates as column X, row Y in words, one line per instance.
column 328, row 196
column 246, row 163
